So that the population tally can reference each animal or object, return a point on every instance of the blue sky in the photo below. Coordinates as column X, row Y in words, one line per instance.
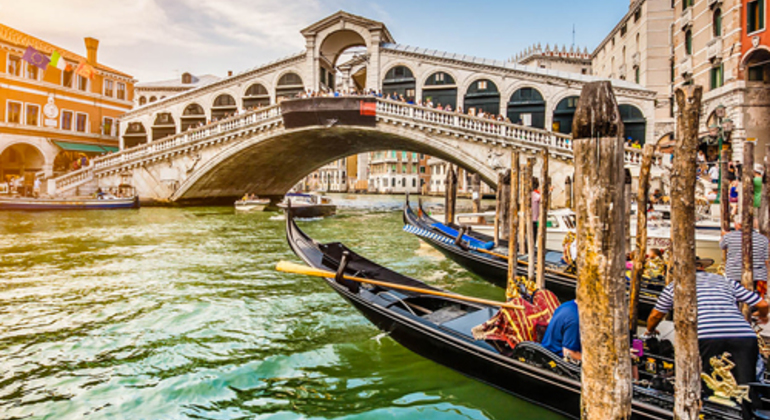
column 160, row 39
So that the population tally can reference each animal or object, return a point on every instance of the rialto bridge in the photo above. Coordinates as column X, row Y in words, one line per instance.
column 221, row 140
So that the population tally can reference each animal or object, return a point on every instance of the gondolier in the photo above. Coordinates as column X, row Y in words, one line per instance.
column 731, row 241
column 721, row 325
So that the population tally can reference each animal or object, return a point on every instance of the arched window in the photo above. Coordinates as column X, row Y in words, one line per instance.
column 135, row 135
column 163, row 126
column 483, row 95
column 153, row 99
column 289, row 86
column 187, row 78
column 634, row 123
column 256, row 95
column 716, row 23
column 688, row 42
column 527, row 107
column 563, row 114
column 224, row 106
column 440, row 88
column 193, row 116
column 142, row 100
column 399, row 80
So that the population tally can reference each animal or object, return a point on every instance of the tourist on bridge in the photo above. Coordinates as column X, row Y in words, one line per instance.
column 731, row 241
column 721, row 325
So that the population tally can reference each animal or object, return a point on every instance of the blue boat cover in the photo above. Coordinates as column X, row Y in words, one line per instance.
column 475, row 243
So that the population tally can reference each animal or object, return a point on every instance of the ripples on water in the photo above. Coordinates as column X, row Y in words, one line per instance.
column 178, row 314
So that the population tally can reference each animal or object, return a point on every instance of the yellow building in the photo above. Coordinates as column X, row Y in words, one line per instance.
column 50, row 118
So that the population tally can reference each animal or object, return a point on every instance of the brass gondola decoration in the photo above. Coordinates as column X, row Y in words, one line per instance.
column 723, row 383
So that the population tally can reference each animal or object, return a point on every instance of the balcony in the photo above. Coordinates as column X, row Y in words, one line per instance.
column 685, row 65
column 636, row 59
column 686, row 20
column 714, row 49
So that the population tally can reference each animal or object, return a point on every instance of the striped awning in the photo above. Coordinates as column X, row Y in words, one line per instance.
column 85, row 147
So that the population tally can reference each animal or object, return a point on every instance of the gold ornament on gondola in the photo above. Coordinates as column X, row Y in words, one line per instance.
column 723, row 383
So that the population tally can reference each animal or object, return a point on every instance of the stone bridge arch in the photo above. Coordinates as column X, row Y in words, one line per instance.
column 259, row 164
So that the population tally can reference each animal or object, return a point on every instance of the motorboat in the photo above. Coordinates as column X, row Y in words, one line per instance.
column 103, row 202
column 251, row 204
column 308, row 206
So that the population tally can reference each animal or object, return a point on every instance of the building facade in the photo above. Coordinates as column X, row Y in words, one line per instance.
column 638, row 49
column 572, row 60
column 51, row 118
column 438, row 175
column 394, row 172
column 755, row 70
column 149, row 92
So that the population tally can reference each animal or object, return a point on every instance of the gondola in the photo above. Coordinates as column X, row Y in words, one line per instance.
column 494, row 269
column 439, row 329
column 37, row 204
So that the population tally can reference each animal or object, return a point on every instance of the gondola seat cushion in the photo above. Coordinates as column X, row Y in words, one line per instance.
column 465, row 324
column 470, row 241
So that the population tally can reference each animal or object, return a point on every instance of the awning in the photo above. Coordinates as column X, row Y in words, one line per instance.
column 85, row 147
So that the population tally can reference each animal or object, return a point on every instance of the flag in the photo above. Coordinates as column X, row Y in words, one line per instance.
column 58, row 61
column 36, row 58
column 85, row 70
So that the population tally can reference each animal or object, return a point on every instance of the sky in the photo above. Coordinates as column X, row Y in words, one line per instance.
column 161, row 39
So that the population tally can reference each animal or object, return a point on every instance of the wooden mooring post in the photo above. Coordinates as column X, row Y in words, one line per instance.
column 747, row 219
column 687, row 359
column 513, row 251
column 601, row 291
column 724, row 197
column 450, row 198
column 764, row 208
column 642, row 200
column 501, row 207
column 528, row 222
column 476, row 192
column 542, row 231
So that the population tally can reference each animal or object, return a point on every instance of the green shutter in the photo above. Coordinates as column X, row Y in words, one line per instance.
column 761, row 17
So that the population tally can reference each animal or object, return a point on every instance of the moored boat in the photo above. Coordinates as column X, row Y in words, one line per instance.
column 308, row 206
column 105, row 203
column 252, row 204
column 439, row 329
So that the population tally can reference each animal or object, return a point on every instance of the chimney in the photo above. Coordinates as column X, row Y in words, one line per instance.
column 92, row 45
column 229, row 73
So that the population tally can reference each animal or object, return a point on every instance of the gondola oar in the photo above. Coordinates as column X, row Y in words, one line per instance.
column 290, row 267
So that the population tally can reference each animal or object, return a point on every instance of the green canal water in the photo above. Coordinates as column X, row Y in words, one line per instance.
column 165, row 313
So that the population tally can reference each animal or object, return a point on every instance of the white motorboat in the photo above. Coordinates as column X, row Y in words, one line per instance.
column 252, row 204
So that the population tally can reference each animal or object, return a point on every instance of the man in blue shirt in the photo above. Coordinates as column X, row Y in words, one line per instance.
column 563, row 334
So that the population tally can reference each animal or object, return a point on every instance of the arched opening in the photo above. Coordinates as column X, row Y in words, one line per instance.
column 482, row 95
column 757, row 64
column 563, row 114
column 527, row 107
column 223, row 107
column 256, row 96
column 634, row 122
column 716, row 23
column 399, row 81
column 135, row 135
column 289, row 86
column 153, row 99
column 142, row 100
column 193, row 116
column 163, row 126
column 339, row 52
column 440, row 88
column 21, row 161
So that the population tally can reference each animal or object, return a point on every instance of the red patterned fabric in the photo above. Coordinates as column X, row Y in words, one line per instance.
column 516, row 325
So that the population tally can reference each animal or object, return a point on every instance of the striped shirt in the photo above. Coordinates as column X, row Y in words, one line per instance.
column 733, row 267
column 718, row 313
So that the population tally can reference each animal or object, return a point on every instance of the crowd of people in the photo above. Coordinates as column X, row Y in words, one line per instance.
column 18, row 186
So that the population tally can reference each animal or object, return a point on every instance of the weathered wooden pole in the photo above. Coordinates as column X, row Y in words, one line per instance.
column 747, row 217
column 501, row 206
column 450, row 198
column 688, row 364
column 642, row 198
column 627, row 181
column 476, row 192
column 568, row 192
column 545, row 204
column 724, row 197
column 601, row 291
column 528, row 222
column 513, row 257
column 764, row 208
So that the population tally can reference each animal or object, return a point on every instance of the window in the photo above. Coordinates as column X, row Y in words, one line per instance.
column 686, row 4
column 623, row 30
column 66, row 77
column 33, row 114
column 107, row 126
column 13, row 114
column 717, row 77
column 637, row 15
column 403, row 155
column 688, row 42
column 108, row 87
column 66, row 120
column 81, row 122
column 483, row 85
column 31, row 72
column 142, row 100
column 393, row 182
column 636, row 76
column 716, row 24
column 14, row 65
column 755, row 16
column 422, row 169
column 439, row 77
column 82, row 83
column 756, row 74
column 121, row 90
column 414, row 185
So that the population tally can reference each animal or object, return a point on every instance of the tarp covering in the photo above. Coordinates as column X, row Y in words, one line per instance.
column 329, row 111
column 85, row 147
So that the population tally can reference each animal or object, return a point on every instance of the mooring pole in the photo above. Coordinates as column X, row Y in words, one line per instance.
column 451, row 195
column 568, row 192
column 642, row 198
column 545, row 204
column 513, row 252
column 597, row 133
column 501, row 206
column 528, row 221
column 627, row 181
column 764, row 208
column 747, row 216
column 724, row 197
column 476, row 192
column 687, row 359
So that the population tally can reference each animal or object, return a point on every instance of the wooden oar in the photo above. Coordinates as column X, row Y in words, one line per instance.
column 290, row 267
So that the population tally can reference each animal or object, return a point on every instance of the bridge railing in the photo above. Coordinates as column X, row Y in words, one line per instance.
column 187, row 137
